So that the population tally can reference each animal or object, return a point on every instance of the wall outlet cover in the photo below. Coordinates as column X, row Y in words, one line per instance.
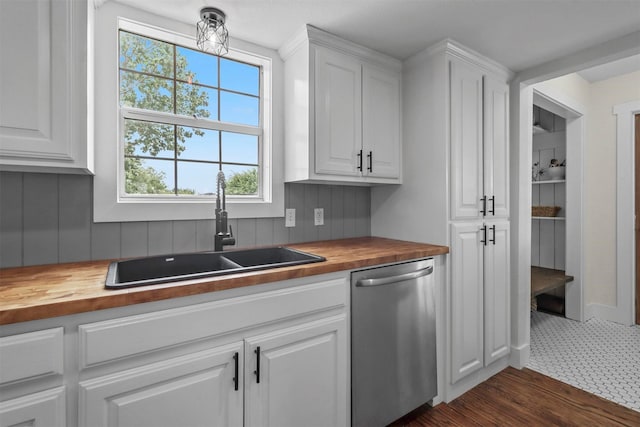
column 318, row 216
column 290, row 218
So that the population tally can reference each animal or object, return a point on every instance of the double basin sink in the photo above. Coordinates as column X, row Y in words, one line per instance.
column 171, row 268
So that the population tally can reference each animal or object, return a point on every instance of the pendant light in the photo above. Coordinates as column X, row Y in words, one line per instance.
column 211, row 34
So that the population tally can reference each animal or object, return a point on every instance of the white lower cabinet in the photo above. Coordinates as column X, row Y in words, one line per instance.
column 276, row 358
column 194, row 390
column 479, row 299
column 289, row 377
column 297, row 376
column 45, row 408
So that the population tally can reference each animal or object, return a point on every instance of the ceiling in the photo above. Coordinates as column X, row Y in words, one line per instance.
column 519, row 34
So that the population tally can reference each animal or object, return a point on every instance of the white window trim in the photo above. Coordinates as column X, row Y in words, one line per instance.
column 109, row 206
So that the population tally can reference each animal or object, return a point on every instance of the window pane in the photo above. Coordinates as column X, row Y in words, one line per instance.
column 197, row 178
column 146, row 55
column 240, row 109
column 196, row 67
column 143, row 176
column 142, row 91
column 148, row 139
column 198, row 144
column 239, row 148
column 241, row 180
column 197, row 100
column 239, row 77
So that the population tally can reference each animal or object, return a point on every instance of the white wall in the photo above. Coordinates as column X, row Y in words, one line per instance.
column 599, row 175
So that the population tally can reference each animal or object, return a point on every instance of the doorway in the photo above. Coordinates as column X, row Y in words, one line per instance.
column 637, row 219
column 570, row 192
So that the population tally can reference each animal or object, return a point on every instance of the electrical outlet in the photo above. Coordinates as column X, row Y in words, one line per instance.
column 318, row 216
column 289, row 217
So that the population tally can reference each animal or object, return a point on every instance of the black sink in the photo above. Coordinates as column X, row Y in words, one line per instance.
column 171, row 268
column 267, row 257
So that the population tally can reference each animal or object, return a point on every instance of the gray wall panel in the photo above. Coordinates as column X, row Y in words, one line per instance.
column 134, row 238
column 11, row 220
column 47, row 218
column 40, row 219
column 74, row 207
column 160, row 237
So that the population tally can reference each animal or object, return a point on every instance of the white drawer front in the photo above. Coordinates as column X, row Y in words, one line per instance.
column 46, row 408
column 31, row 355
column 110, row 340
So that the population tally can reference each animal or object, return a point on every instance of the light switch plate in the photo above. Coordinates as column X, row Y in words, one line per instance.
column 318, row 216
column 289, row 217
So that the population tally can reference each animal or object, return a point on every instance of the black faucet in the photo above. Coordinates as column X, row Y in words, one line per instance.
column 222, row 237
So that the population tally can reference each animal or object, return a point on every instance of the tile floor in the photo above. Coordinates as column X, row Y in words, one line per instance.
column 597, row 356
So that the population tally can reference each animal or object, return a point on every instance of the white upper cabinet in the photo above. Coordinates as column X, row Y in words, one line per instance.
column 342, row 112
column 496, row 147
column 381, row 122
column 466, row 141
column 479, row 144
column 338, row 90
column 43, row 86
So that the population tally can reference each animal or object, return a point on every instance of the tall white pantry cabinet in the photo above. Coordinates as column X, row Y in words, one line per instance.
column 455, row 139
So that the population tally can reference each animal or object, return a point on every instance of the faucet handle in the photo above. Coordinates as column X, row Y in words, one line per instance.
column 230, row 230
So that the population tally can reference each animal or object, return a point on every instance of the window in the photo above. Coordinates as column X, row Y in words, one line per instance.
column 187, row 115
column 167, row 117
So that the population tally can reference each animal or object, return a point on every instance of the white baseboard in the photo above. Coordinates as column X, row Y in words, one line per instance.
column 519, row 357
column 607, row 312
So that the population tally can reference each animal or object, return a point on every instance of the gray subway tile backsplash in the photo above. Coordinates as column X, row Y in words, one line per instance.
column 48, row 219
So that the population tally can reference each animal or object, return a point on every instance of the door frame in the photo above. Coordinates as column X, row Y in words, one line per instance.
column 521, row 99
column 574, row 114
column 624, row 311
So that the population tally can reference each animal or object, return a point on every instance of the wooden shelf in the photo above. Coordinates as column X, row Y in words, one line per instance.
column 546, row 279
column 549, row 218
column 550, row 181
column 539, row 129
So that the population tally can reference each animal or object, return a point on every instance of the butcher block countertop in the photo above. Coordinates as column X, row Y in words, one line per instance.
column 45, row 291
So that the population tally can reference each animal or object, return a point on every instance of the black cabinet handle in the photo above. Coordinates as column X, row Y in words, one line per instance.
column 493, row 240
column 484, row 235
column 370, row 158
column 257, row 371
column 484, row 205
column 493, row 206
column 359, row 167
column 235, row 378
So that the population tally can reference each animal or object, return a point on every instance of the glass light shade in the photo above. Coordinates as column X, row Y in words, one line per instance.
column 211, row 34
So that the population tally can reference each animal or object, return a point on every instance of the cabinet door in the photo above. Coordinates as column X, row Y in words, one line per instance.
column 466, row 299
column 193, row 390
column 41, row 90
column 302, row 376
column 496, row 147
column 338, row 113
column 466, row 141
column 46, row 408
column 381, row 123
column 496, row 292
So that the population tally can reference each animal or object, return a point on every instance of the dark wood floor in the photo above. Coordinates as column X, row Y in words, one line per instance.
column 523, row 398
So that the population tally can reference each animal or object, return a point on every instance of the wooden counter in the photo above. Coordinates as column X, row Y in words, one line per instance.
column 44, row 291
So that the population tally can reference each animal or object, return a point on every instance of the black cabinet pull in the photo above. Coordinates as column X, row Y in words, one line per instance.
column 370, row 158
column 359, row 167
column 493, row 206
column 484, row 234
column 235, row 378
column 257, row 371
column 493, row 240
column 484, row 205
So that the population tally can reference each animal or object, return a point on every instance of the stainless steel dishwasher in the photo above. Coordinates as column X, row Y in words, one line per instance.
column 393, row 341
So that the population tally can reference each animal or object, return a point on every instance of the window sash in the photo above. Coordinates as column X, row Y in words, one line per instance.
column 173, row 119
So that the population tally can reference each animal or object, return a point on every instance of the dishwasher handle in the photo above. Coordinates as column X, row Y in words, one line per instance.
column 395, row 279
